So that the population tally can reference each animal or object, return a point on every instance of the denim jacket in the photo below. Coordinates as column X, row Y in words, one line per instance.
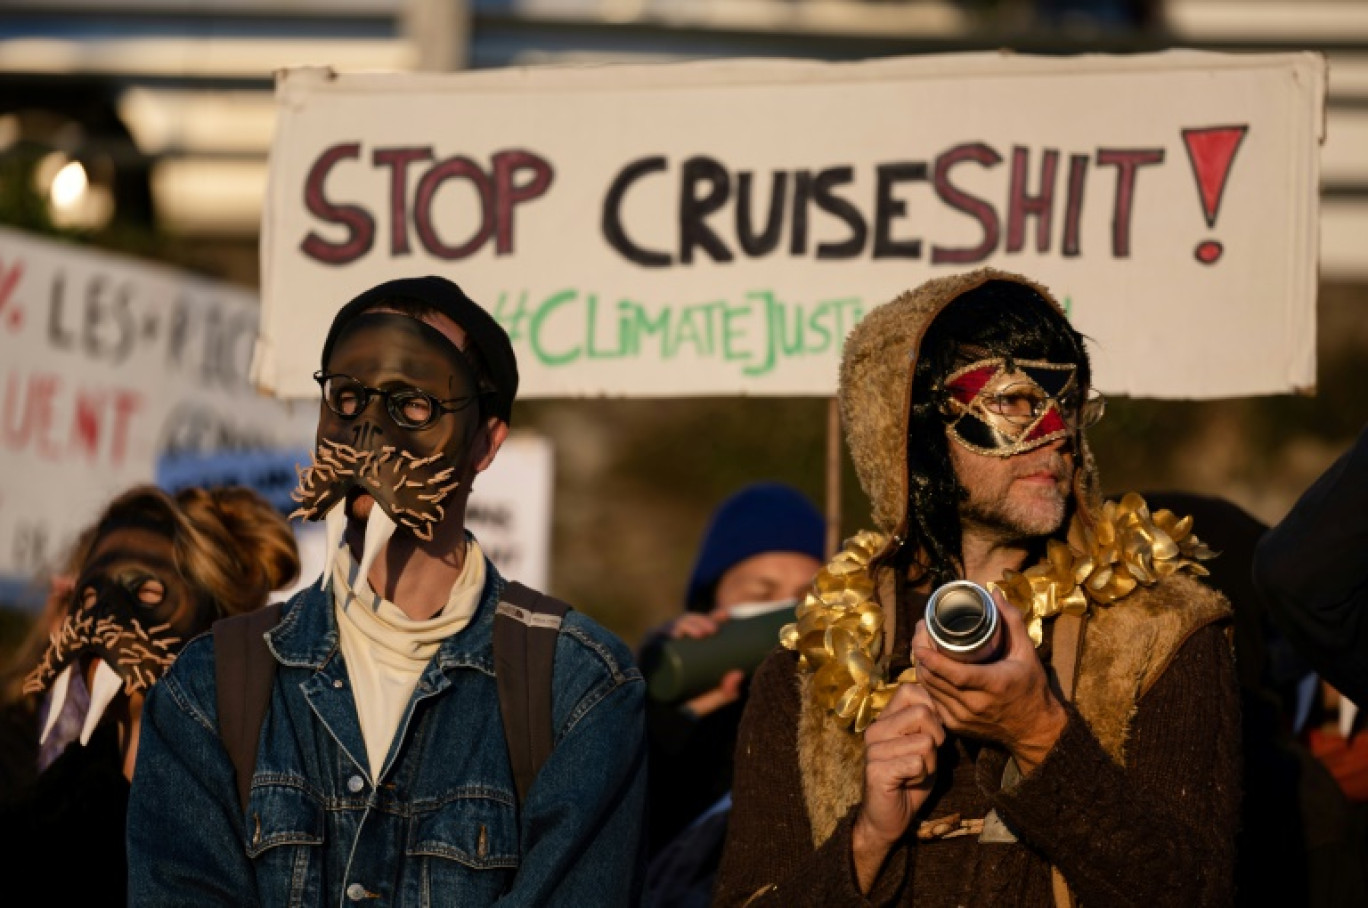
column 439, row 826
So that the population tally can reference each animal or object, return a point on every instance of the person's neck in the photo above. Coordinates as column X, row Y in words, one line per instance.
column 417, row 576
column 987, row 556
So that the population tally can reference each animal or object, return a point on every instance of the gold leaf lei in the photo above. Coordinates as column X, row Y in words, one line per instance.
column 838, row 634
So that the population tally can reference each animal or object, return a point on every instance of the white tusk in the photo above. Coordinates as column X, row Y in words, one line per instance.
column 107, row 686
column 57, row 701
column 379, row 528
column 1348, row 710
column 335, row 524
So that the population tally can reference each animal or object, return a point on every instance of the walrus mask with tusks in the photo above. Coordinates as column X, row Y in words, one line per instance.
column 399, row 413
column 130, row 615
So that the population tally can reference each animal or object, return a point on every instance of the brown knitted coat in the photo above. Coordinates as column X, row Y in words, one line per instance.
column 1136, row 803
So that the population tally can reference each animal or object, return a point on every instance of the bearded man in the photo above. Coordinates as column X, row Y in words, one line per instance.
column 1095, row 759
column 382, row 773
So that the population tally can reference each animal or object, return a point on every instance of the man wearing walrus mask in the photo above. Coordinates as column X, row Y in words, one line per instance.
column 399, row 434
column 382, row 770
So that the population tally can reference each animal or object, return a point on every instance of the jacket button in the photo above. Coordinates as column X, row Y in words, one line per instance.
column 355, row 784
column 356, row 892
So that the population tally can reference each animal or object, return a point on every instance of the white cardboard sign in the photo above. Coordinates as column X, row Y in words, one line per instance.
column 716, row 228
column 510, row 510
column 108, row 366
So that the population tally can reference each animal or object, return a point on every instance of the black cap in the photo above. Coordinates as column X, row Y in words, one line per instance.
column 484, row 333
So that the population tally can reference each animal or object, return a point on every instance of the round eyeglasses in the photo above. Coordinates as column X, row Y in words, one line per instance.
column 409, row 407
column 1021, row 405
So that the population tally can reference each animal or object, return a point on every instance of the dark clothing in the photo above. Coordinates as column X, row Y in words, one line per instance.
column 63, row 836
column 690, row 761
column 1313, row 571
column 691, row 765
column 18, row 747
column 1300, row 841
column 1138, row 835
column 682, row 876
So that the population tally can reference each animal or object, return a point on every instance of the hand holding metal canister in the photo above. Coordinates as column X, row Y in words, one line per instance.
column 962, row 621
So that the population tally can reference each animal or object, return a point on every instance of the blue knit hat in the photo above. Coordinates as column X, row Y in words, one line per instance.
column 764, row 517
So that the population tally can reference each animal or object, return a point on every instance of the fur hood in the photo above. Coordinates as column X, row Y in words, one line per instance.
column 875, row 393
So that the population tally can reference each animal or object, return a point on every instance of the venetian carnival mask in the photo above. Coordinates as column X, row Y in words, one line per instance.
column 398, row 416
column 1003, row 407
column 130, row 614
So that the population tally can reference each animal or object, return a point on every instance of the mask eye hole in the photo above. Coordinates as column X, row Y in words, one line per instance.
column 411, row 408
column 343, row 394
column 347, row 402
column 346, row 397
column 146, row 588
column 89, row 597
column 151, row 591
column 1018, row 404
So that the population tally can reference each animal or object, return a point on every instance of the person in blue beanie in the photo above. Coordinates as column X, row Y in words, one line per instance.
column 760, row 552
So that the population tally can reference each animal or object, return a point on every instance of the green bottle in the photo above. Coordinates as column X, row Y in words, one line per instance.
column 683, row 668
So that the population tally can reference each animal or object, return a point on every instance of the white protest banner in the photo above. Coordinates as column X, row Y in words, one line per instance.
column 716, row 228
column 108, row 368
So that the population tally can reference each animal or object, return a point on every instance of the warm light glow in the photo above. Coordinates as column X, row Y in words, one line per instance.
column 69, row 185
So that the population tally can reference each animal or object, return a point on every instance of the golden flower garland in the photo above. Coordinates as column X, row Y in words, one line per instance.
column 838, row 634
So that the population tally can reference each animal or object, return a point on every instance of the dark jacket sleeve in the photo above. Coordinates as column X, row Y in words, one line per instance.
column 769, row 859
column 1161, row 830
column 1312, row 569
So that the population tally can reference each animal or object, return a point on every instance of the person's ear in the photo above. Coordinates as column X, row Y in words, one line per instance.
column 488, row 441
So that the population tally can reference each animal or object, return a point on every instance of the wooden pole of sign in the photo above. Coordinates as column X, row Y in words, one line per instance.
column 833, row 479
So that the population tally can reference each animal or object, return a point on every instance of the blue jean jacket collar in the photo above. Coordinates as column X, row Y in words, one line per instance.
column 306, row 636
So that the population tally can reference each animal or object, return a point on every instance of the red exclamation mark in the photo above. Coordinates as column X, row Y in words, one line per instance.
column 1211, row 151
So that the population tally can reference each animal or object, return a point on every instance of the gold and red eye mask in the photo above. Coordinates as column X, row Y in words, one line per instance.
column 1002, row 408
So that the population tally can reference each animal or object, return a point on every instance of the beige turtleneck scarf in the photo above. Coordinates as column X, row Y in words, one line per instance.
column 386, row 651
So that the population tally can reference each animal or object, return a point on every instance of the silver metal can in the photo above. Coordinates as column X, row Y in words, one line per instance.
column 962, row 620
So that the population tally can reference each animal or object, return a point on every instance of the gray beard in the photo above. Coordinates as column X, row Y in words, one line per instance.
column 1001, row 522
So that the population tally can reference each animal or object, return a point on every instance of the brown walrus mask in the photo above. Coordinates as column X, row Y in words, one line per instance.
column 131, row 612
column 399, row 414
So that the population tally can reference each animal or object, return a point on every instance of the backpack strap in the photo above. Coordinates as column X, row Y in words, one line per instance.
column 526, row 626
column 244, row 673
